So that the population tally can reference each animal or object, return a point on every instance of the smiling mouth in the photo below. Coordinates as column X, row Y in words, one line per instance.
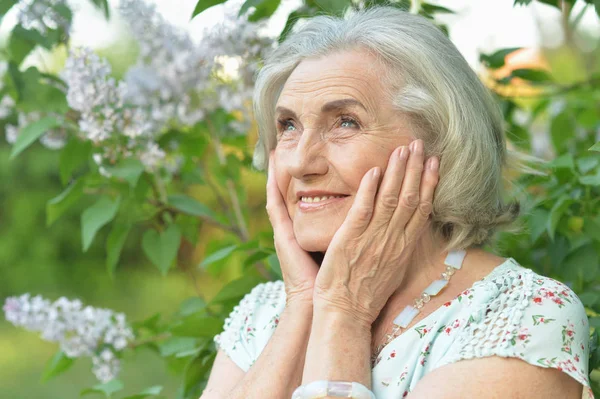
column 316, row 203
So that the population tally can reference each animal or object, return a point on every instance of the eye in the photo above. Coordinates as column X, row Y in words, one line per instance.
column 348, row 120
column 283, row 124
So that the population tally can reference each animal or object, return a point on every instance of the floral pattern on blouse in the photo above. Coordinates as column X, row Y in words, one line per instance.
column 512, row 312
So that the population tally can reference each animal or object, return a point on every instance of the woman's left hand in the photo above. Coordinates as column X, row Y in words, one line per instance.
column 363, row 265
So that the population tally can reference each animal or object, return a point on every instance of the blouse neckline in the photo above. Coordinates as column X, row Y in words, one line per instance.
column 508, row 262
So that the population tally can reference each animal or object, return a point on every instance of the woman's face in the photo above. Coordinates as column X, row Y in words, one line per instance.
column 334, row 123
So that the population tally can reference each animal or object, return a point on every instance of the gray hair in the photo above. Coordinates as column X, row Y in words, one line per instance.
column 431, row 83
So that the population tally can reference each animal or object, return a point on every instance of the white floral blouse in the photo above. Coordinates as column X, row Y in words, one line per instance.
column 512, row 312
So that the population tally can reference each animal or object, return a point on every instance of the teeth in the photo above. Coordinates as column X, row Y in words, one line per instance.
column 319, row 199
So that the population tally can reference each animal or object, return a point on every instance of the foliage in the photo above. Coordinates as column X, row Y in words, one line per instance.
column 166, row 152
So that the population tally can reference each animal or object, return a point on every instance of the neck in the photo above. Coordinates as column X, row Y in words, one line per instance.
column 424, row 266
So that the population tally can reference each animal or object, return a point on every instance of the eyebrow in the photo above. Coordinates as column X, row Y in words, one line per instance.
column 328, row 107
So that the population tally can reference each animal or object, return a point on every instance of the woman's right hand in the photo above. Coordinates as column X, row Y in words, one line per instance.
column 298, row 268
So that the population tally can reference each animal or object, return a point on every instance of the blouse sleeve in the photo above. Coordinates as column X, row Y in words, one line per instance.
column 251, row 323
column 533, row 318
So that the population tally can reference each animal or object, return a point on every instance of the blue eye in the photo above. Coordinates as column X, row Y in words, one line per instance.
column 349, row 120
column 282, row 125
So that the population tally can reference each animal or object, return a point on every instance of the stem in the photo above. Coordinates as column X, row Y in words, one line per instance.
column 222, row 202
column 235, row 201
column 207, row 219
column 195, row 281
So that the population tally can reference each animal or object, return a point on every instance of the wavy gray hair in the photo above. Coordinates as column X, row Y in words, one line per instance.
column 430, row 82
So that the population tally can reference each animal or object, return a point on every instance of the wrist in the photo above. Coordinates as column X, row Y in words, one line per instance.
column 341, row 316
column 344, row 310
column 300, row 303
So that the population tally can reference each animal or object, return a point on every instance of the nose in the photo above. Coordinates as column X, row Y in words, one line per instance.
column 308, row 159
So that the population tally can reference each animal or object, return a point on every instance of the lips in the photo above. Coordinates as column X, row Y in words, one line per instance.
column 333, row 201
column 318, row 194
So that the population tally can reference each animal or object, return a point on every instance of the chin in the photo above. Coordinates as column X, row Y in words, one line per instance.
column 313, row 241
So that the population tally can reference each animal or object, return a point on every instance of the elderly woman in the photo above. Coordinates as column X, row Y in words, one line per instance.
column 384, row 154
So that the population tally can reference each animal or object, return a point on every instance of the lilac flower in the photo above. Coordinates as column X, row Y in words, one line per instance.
column 80, row 331
column 43, row 15
column 94, row 93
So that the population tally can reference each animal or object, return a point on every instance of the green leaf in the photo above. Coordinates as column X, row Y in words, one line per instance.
column 114, row 244
column 236, row 289
column 564, row 161
column 175, row 345
column 95, row 217
column 33, row 95
column 197, row 325
column 107, row 388
column 595, row 322
column 204, row 4
column 597, row 7
column 587, row 163
column 73, row 156
column 58, row 364
column 595, row 147
column 583, row 261
column 152, row 391
column 593, row 180
column 589, row 298
column 532, row 75
column 190, row 206
column 191, row 305
column 218, row 255
column 161, row 248
column 562, row 128
column 591, row 227
column 247, row 5
column 31, row 133
column 21, row 43
column 334, row 7
column 59, row 204
column 129, row 169
column 264, row 10
column 497, row 59
column 556, row 213
column 537, row 223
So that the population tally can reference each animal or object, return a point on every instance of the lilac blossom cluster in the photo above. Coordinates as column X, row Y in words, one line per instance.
column 175, row 82
column 237, row 38
column 171, row 69
column 44, row 15
column 106, row 118
column 80, row 331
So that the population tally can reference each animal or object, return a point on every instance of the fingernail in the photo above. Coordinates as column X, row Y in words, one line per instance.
column 403, row 153
column 432, row 164
column 375, row 173
column 418, row 147
column 411, row 147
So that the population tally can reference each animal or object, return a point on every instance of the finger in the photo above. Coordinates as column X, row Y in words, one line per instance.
column 359, row 215
column 409, row 194
column 429, row 182
column 276, row 209
column 389, row 192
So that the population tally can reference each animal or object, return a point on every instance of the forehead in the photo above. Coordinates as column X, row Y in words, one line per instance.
column 350, row 74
